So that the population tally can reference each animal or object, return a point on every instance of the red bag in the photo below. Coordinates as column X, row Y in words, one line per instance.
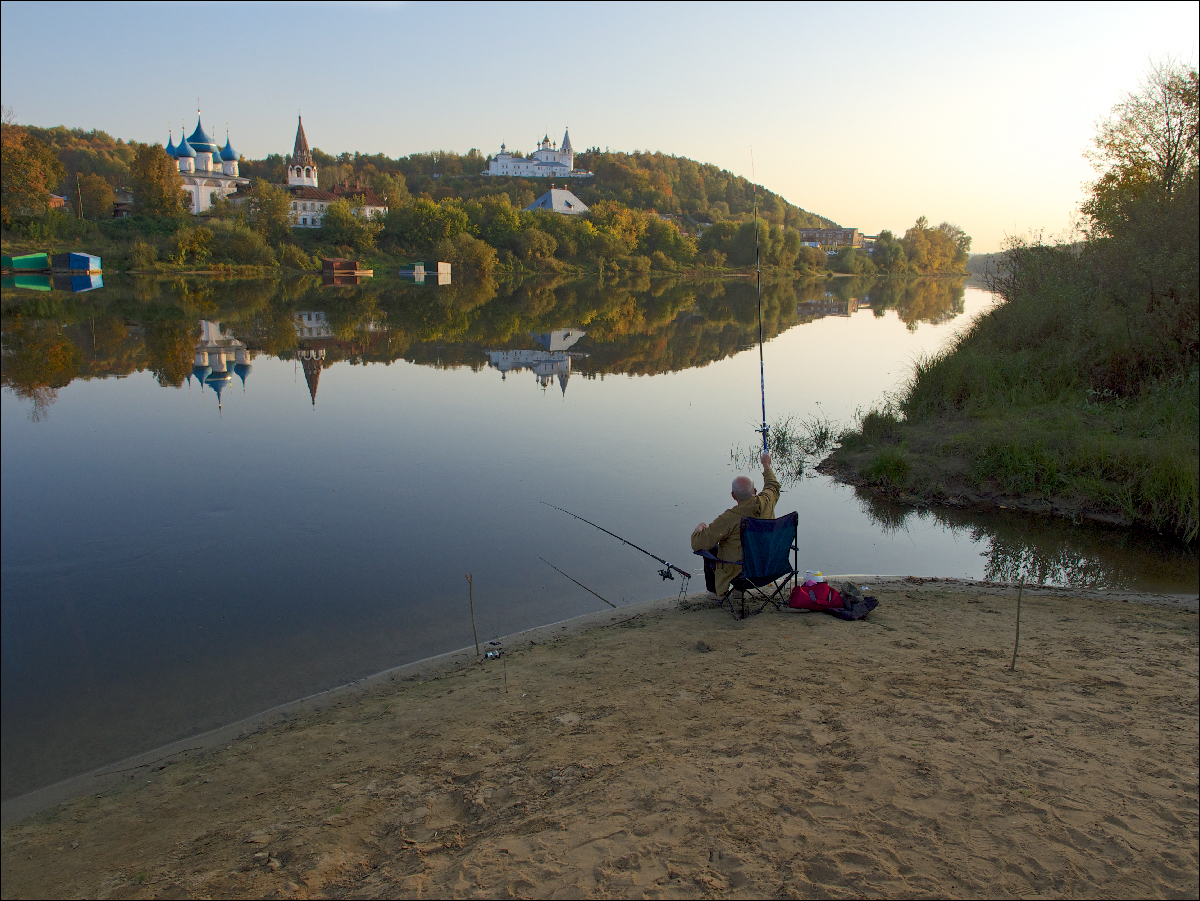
column 817, row 596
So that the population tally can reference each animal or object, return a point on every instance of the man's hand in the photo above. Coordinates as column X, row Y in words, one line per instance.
column 700, row 528
column 766, row 460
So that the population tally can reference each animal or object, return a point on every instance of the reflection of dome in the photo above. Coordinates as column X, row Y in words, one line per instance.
column 201, row 373
column 217, row 381
column 242, row 370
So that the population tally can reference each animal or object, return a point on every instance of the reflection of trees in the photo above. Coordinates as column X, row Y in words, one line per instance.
column 169, row 347
column 1051, row 551
column 37, row 360
column 634, row 324
column 918, row 300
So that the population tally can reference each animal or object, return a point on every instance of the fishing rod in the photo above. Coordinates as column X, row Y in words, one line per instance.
column 665, row 573
column 762, row 375
column 577, row 582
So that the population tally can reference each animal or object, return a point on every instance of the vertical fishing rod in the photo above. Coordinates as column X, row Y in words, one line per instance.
column 762, row 375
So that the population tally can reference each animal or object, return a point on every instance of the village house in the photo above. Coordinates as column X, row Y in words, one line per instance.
column 831, row 237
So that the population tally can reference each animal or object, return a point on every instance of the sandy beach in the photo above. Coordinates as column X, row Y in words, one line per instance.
column 671, row 751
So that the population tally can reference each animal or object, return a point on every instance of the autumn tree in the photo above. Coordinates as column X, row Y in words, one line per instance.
column 28, row 171
column 95, row 196
column 157, row 186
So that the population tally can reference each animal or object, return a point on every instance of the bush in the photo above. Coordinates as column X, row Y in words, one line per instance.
column 234, row 243
column 142, row 255
column 292, row 257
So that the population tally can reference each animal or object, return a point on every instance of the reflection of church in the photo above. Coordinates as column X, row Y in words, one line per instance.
column 219, row 356
column 553, row 361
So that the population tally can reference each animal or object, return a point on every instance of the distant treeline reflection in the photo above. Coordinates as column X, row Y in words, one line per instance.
column 636, row 326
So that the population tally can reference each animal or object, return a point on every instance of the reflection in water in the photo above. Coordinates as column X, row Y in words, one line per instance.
column 545, row 364
column 634, row 326
column 121, row 515
column 1044, row 550
column 218, row 357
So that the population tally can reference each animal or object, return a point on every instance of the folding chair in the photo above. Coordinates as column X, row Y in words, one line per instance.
column 766, row 546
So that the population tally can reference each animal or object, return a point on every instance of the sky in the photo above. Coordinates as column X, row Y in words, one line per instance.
column 869, row 114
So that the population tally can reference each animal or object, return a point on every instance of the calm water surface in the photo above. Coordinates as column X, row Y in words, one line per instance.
column 175, row 557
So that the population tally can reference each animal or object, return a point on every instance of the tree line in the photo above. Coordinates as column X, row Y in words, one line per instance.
column 649, row 211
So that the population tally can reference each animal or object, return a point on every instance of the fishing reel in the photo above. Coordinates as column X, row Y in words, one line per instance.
column 666, row 574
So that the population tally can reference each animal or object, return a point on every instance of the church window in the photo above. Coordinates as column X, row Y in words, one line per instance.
column 306, row 171
column 304, row 221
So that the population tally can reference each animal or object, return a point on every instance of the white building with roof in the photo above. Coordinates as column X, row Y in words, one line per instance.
column 546, row 161
column 207, row 171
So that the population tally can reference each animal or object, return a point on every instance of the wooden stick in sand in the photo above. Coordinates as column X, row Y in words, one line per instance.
column 1017, row 641
column 471, row 597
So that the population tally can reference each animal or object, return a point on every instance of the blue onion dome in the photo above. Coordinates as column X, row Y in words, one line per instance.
column 242, row 370
column 201, row 373
column 170, row 145
column 222, row 376
column 200, row 141
column 228, row 154
column 184, row 149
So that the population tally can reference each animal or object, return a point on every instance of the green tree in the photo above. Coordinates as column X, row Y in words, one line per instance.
column 535, row 244
column 268, row 211
column 28, row 171
column 1146, row 146
column 344, row 223
column 422, row 224
column 467, row 254
column 889, row 255
column 157, row 186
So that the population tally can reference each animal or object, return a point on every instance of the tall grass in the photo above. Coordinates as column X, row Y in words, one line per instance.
column 1068, row 389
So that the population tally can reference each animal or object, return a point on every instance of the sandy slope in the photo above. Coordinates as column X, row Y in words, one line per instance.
column 798, row 756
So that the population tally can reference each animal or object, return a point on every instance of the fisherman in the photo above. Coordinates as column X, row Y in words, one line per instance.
column 724, row 537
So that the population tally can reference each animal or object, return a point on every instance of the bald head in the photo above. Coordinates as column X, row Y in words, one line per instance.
column 743, row 488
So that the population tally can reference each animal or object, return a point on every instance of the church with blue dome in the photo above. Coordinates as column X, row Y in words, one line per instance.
column 208, row 171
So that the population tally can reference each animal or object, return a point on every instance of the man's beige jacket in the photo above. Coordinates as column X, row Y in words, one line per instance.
column 725, row 532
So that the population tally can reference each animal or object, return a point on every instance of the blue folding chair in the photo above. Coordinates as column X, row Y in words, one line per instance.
column 770, row 553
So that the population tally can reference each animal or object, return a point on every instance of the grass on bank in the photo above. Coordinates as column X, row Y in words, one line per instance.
column 1070, row 397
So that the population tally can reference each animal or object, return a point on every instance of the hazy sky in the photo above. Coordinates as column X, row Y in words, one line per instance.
column 869, row 114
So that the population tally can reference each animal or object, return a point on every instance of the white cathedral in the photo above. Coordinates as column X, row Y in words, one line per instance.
column 206, row 170
column 546, row 161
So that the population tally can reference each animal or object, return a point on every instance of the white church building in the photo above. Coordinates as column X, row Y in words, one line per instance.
column 206, row 170
column 547, row 161
column 308, row 200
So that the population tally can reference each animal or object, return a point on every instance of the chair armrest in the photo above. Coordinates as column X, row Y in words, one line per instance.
column 709, row 555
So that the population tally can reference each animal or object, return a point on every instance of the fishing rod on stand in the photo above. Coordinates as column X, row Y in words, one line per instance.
column 665, row 573
column 762, row 375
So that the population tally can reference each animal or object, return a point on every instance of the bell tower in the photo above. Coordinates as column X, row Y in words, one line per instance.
column 301, row 170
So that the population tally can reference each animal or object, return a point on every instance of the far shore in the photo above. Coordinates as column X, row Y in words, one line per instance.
column 668, row 750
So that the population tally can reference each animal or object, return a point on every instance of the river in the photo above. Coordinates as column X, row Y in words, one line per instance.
column 221, row 495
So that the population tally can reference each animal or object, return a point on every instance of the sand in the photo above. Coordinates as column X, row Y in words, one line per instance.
column 675, row 752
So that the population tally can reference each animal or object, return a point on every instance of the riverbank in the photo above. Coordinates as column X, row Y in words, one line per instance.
column 669, row 750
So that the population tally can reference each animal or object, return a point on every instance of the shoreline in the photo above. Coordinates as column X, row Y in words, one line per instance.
column 669, row 750
column 117, row 773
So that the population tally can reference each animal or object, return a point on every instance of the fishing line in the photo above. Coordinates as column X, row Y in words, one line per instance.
column 576, row 581
column 762, row 376
column 665, row 573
